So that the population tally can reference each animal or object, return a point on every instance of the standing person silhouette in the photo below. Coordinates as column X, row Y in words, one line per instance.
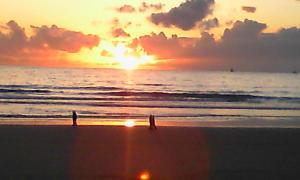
column 74, row 116
column 152, row 122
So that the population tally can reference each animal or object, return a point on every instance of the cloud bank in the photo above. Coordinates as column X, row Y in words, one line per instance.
column 185, row 16
column 244, row 47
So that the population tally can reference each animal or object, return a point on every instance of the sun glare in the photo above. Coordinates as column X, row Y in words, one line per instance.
column 128, row 58
column 128, row 63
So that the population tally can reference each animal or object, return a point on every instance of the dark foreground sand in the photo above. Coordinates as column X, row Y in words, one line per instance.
column 103, row 152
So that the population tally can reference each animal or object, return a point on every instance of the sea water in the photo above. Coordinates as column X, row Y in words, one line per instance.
column 197, row 98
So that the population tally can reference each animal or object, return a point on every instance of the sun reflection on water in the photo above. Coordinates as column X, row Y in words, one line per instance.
column 129, row 123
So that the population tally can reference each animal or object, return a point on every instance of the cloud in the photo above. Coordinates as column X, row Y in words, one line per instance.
column 162, row 46
column 118, row 28
column 244, row 47
column 185, row 16
column 106, row 53
column 126, row 9
column 45, row 43
column 209, row 24
column 229, row 23
column 119, row 32
column 249, row 9
column 116, row 23
column 14, row 40
column 145, row 6
column 142, row 8
column 62, row 39
column 243, row 31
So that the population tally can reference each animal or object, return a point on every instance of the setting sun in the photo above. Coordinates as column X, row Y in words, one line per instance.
column 128, row 63
column 127, row 58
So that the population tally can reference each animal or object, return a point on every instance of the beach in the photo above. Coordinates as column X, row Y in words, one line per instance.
column 116, row 152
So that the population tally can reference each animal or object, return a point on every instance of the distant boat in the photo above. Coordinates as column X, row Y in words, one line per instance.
column 295, row 72
column 231, row 70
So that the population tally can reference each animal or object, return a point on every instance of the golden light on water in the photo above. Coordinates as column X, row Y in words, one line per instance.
column 129, row 123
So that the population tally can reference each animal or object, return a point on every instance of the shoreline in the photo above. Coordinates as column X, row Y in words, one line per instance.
column 249, row 123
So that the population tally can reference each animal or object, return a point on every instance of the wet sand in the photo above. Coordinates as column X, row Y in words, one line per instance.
column 112, row 152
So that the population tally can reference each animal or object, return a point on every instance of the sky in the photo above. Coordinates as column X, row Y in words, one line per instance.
column 247, row 35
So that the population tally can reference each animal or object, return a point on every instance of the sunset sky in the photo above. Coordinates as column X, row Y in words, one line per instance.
column 249, row 35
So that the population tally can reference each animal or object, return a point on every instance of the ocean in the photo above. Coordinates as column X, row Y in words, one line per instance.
column 180, row 98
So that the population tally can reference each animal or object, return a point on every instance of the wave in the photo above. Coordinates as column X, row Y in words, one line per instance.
column 138, row 96
column 64, row 98
column 24, row 91
column 118, row 99
column 153, row 84
column 234, row 97
column 39, row 87
column 110, row 93
column 168, row 106
column 132, row 116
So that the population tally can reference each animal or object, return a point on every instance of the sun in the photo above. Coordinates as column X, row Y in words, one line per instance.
column 128, row 63
column 128, row 58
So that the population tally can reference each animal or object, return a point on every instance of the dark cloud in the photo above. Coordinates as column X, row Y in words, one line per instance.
column 185, row 16
column 243, row 31
column 156, row 7
column 126, row 9
column 162, row 46
column 244, row 47
column 119, row 32
column 249, row 9
column 14, row 40
column 209, row 24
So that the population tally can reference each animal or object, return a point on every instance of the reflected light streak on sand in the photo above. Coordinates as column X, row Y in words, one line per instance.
column 145, row 176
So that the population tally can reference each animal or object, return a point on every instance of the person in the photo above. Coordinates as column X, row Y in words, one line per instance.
column 74, row 118
column 152, row 122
